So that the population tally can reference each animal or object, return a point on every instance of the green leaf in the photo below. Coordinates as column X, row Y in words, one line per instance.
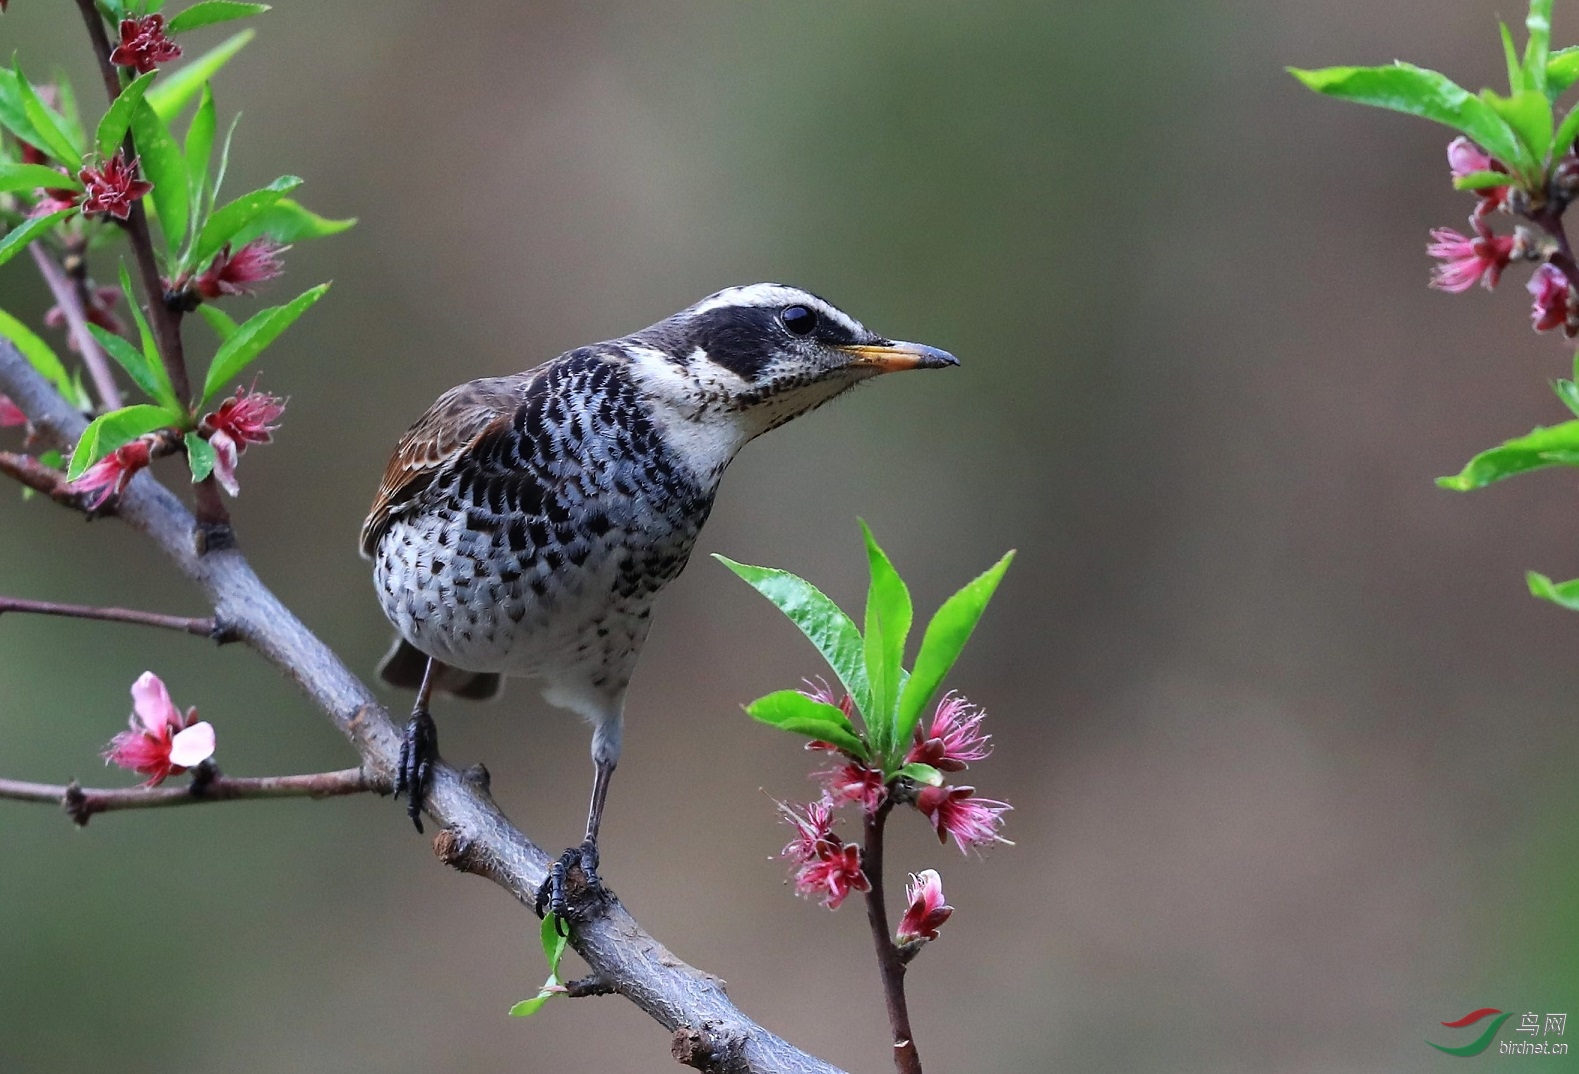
column 946, row 635
column 549, row 934
column 819, row 618
column 128, row 358
column 223, row 324
column 28, row 230
column 117, row 428
column 1555, row 445
column 1482, row 180
column 1530, row 115
column 174, row 90
column 1510, row 55
column 554, row 951
column 286, row 221
column 48, row 126
column 924, row 774
column 209, row 12
column 1567, row 131
column 261, row 329
column 13, row 115
column 159, row 377
column 1568, row 392
column 1565, row 594
column 222, row 226
column 793, row 711
column 1562, row 71
column 112, row 128
column 33, row 177
column 1537, row 50
column 199, row 456
column 38, row 354
column 888, row 614
column 199, row 148
column 164, row 166
column 1416, row 91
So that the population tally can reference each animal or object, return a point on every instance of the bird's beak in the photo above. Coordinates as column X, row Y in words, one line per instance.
column 895, row 356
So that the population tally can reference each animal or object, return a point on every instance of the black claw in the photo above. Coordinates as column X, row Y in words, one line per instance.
column 418, row 750
column 556, row 897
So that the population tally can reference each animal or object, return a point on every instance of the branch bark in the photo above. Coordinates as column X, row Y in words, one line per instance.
column 890, row 962
column 83, row 802
column 205, row 627
column 715, row 1034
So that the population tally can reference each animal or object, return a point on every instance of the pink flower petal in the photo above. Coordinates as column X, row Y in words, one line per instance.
column 193, row 746
column 152, row 703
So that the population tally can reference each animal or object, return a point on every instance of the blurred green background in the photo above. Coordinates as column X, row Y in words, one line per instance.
column 1293, row 755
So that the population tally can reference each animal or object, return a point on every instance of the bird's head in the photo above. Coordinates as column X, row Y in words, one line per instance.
column 751, row 358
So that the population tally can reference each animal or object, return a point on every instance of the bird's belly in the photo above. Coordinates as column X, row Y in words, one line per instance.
column 577, row 610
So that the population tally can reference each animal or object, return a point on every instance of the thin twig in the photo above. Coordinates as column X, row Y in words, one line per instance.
column 40, row 478
column 890, row 964
column 82, row 802
column 69, row 298
column 214, row 520
column 204, row 627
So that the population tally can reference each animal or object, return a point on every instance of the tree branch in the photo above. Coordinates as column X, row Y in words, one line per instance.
column 69, row 298
column 166, row 320
column 480, row 839
column 890, row 963
column 82, row 802
column 206, row 627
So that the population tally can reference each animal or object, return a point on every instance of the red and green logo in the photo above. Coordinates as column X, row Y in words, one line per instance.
column 1480, row 1043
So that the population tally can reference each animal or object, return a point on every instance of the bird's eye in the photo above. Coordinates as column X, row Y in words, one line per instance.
column 799, row 320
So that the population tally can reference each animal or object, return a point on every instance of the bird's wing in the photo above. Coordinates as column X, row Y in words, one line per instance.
column 450, row 427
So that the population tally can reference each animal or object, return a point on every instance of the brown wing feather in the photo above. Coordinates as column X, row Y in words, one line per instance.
column 451, row 425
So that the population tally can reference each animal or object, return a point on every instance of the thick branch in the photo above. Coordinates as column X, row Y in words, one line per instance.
column 205, row 627
column 890, row 963
column 681, row 998
column 82, row 802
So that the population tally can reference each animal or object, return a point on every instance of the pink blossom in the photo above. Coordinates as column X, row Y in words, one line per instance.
column 834, row 876
column 1468, row 260
column 245, row 418
column 926, row 912
column 1464, row 157
column 813, row 828
column 234, row 274
column 161, row 741
column 855, row 782
column 111, row 474
column 1554, row 300
column 10, row 413
column 957, row 812
column 825, row 865
column 112, row 187
column 144, row 44
column 954, row 738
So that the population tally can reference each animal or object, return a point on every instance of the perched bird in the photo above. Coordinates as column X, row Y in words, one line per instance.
column 526, row 523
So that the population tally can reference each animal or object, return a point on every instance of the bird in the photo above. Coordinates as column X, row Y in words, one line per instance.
column 525, row 523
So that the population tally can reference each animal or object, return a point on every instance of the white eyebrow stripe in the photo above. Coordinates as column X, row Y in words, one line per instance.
column 775, row 294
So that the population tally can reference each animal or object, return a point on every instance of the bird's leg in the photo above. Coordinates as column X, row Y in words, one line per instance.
column 553, row 896
column 419, row 749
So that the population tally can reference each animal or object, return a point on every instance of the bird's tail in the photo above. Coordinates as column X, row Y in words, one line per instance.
column 404, row 665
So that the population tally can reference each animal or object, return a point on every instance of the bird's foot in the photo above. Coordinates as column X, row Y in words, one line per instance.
column 567, row 898
column 419, row 749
